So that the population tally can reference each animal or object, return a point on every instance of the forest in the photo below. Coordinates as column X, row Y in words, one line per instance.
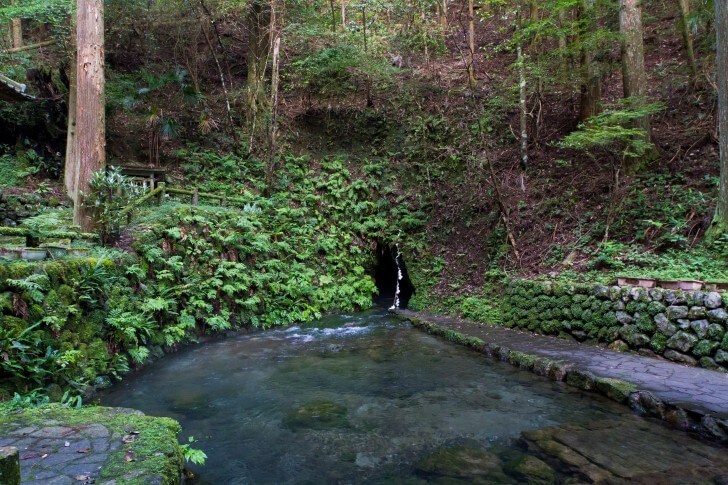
column 176, row 169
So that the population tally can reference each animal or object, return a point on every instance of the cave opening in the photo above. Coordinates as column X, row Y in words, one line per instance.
column 389, row 264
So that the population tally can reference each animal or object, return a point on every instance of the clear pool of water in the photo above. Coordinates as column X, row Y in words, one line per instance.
column 349, row 399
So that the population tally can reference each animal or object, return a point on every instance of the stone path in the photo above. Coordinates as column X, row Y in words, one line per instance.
column 55, row 454
column 107, row 446
column 701, row 393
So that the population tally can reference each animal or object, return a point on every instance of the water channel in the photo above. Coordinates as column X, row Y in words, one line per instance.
column 364, row 398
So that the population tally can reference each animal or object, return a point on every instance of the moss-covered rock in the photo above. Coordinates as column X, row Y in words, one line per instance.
column 317, row 415
column 531, row 470
column 474, row 465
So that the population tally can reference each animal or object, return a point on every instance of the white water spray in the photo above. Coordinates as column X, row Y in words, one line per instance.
column 395, row 305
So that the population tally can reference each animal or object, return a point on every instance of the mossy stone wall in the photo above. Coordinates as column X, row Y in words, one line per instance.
column 683, row 326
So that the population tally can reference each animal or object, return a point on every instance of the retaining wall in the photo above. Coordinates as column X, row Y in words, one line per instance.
column 682, row 326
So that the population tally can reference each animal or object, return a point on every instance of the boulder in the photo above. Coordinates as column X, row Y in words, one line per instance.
column 474, row 465
column 681, row 358
column 700, row 327
column 682, row 341
column 718, row 315
column 664, row 326
column 531, row 470
column 721, row 357
column 696, row 312
column 624, row 318
column 712, row 300
column 676, row 312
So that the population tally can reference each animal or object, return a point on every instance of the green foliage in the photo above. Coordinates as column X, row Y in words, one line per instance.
column 612, row 132
column 109, row 193
column 193, row 455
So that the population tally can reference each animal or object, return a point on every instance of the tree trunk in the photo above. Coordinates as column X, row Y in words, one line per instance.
column 259, row 14
column 333, row 16
column 591, row 87
column 471, row 41
column 442, row 8
column 523, row 113
column 88, row 151
column 720, row 223
column 684, row 6
column 634, row 75
column 17, row 33
column 69, row 174
column 274, row 110
column 343, row 14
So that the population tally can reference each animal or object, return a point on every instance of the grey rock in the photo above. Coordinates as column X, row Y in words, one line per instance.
column 715, row 331
column 618, row 305
column 656, row 294
column 678, row 357
column 644, row 402
column 683, row 323
column 721, row 356
column 674, row 297
column 621, row 346
column 676, row 312
column 624, row 318
column 696, row 312
column 718, row 315
column 664, row 326
column 614, row 293
column 682, row 341
column 707, row 363
column 712, row 300
column 715, row 429
column 700, row 327
column 601, row 292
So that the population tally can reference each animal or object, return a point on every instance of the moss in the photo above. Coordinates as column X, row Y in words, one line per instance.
column 705, row 348
column 615, row 389
column 658, row 343
column 156, row 449
column 317, row 415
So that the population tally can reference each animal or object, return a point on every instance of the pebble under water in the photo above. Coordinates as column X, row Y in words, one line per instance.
column 363, row 398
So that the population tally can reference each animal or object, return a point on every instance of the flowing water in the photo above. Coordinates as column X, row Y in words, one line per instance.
column 351, row 399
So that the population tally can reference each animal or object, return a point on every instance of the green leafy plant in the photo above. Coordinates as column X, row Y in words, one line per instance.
column 193, row 455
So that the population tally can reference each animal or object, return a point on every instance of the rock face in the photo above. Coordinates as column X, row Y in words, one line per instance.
column 589, row 450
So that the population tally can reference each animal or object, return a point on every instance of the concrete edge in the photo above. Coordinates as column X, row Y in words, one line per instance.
column 642, row 402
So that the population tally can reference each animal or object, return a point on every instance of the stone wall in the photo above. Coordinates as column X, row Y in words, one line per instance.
column 683, row 326
column 16, row 207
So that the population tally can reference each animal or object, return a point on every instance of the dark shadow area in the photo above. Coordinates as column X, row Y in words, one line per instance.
column 385, row 277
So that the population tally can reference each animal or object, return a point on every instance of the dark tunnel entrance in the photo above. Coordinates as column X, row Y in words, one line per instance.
column 386, row 274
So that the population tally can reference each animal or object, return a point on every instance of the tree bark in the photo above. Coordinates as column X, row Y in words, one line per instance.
column 89, row 144
column 471, row 41
column 720, row 223
column 69, row 174
column 17, row 32
column 343, row 14
column 442, row 8
column 259, row 15
column 684, row 7
column 591, row 87
column 634, row 76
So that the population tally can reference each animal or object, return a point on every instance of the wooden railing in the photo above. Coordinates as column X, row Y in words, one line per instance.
column 161, row 190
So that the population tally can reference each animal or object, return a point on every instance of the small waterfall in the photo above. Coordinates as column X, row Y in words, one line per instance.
column 400, row 276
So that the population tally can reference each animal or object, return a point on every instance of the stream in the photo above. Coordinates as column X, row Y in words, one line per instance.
column 354, row 398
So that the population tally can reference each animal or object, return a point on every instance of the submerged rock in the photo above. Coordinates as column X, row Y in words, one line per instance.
column 474, row 465
column 531, row 470
column 317, row 415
